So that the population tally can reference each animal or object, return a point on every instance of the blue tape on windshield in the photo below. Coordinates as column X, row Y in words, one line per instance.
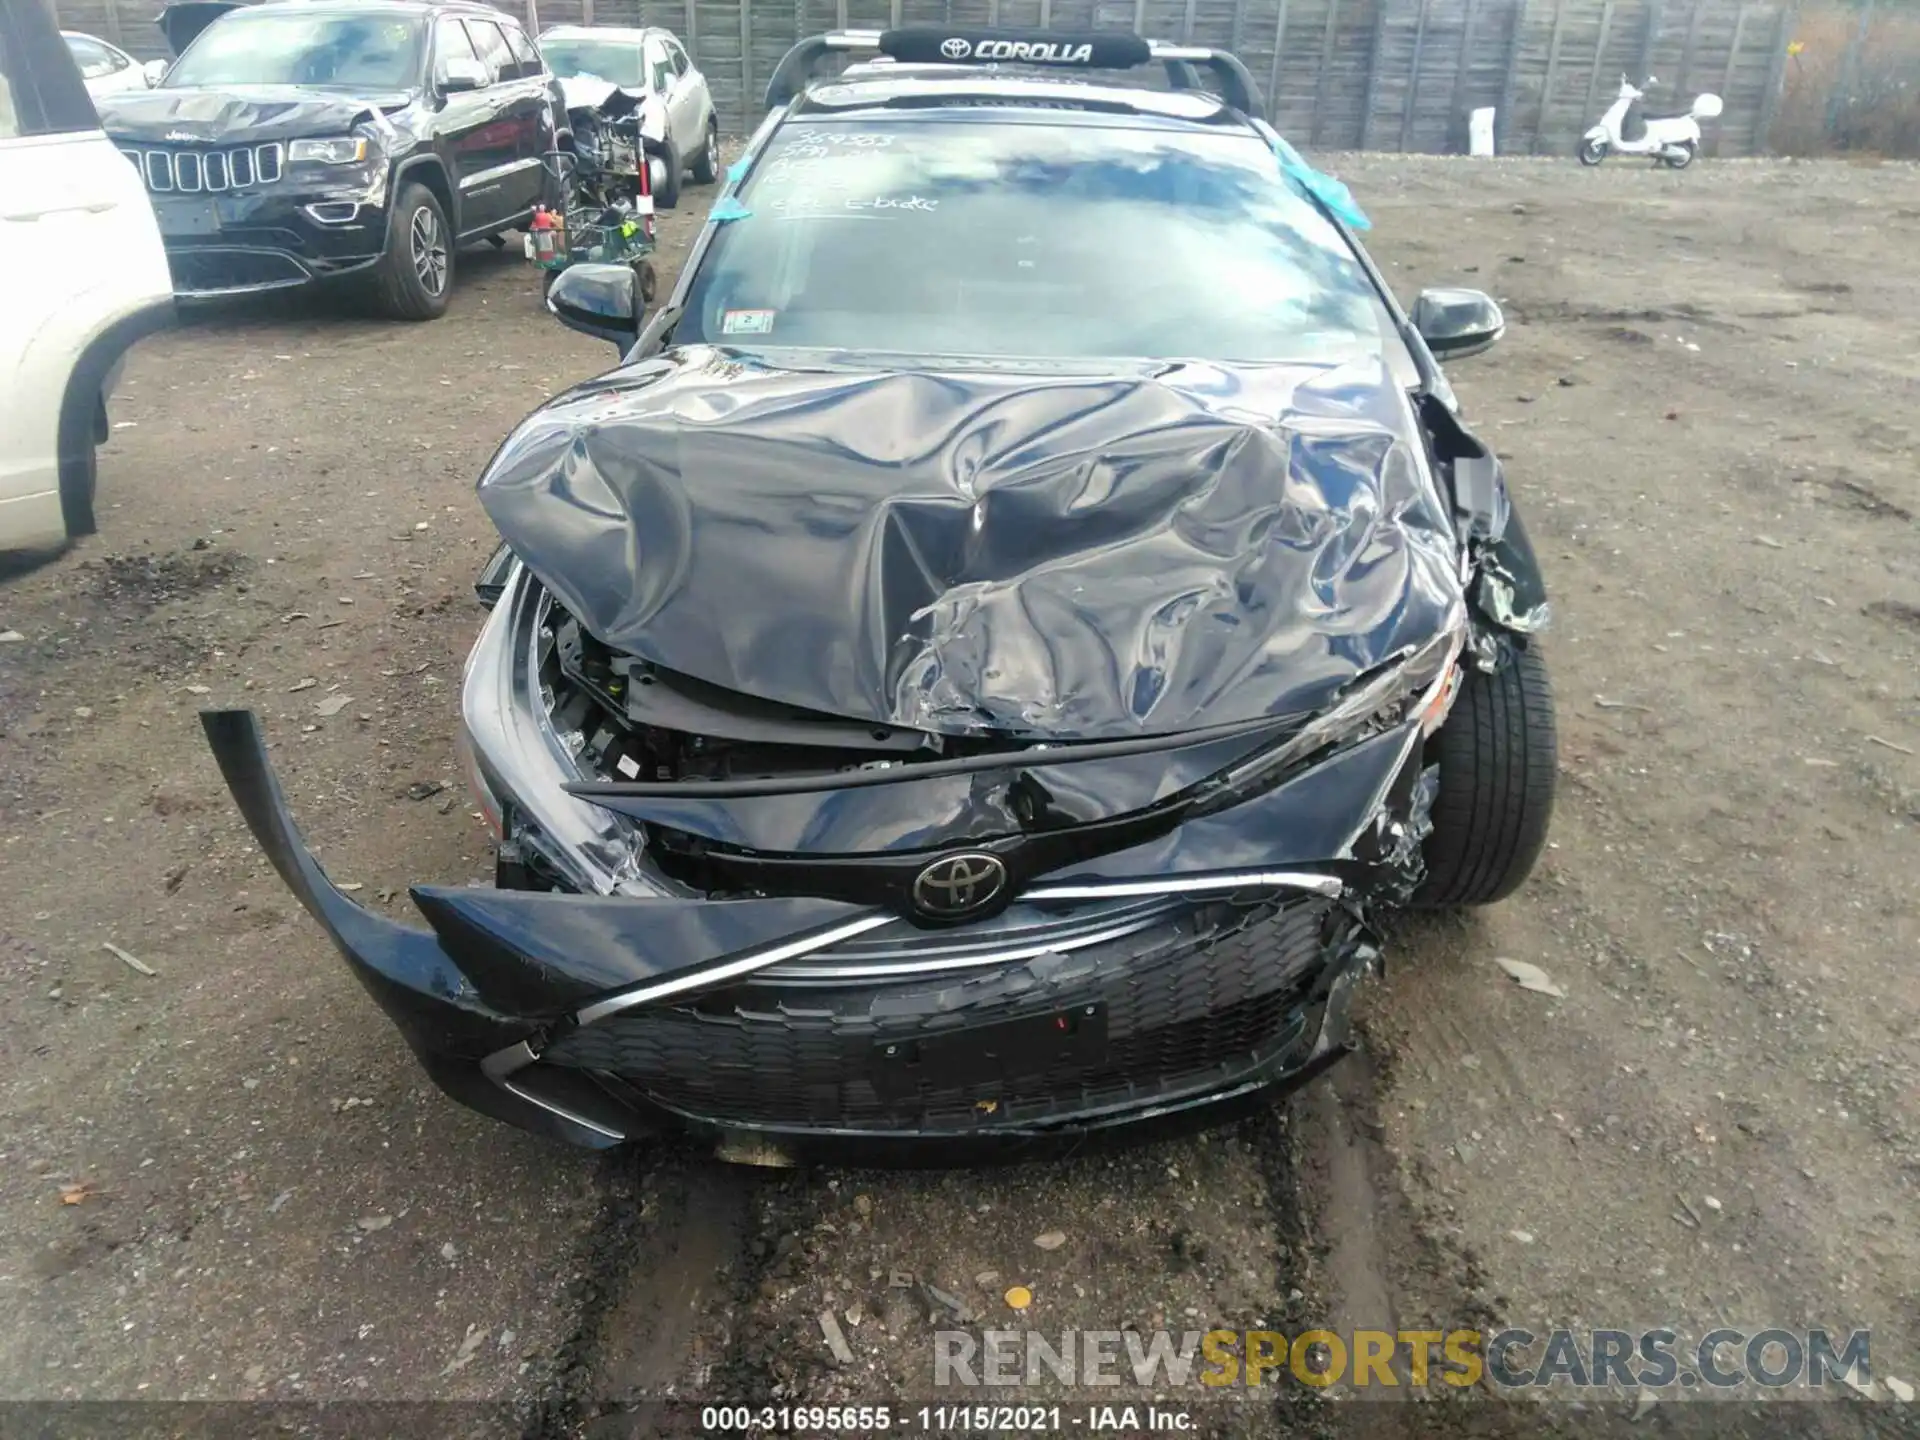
column 728, row 208
column 737, row 171
column 1322, row 187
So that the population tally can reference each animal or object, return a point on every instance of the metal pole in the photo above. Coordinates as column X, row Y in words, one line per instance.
column 1462, row 73
column 1726, row 80
column 1373, row 71
column 1273, row 82
column 1413, row 79
column 746, row 66
column 1326, row 64
column 1776, row 80
column 1648, row 39
column 1553, row 64
column 1689, row 51
column 1503, row 117
column 1599, row 59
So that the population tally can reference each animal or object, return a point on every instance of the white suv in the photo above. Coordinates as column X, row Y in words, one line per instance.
column 82, row 276
column 651, row 63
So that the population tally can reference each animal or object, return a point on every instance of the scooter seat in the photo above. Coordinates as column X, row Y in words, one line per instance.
column 1662, row 119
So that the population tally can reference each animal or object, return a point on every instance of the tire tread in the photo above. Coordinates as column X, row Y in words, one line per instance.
column 396, row 291
column 1498, row 755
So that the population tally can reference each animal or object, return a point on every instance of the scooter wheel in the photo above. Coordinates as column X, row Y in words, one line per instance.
column 1592, row 152
column 1684, row 158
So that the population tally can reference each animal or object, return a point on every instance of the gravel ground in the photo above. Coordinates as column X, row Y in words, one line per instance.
column 226, row 1180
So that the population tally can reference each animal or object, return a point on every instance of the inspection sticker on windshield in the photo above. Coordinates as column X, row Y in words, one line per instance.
column 747, row 322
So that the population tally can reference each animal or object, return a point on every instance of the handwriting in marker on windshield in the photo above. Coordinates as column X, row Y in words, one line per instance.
column 894, row 202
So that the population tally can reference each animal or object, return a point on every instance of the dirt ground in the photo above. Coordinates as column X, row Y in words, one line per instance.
column 226, row 1180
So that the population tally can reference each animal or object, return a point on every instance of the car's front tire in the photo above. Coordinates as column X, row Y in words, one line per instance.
column 80, row 474
column 706, row 166
column 415, row 276
column 667, row 197
column 1497, row 754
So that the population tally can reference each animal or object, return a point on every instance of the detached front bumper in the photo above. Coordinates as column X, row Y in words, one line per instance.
column 597, row 1019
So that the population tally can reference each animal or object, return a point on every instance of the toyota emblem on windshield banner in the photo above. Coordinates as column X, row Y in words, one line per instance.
column 956, row 885
column 956, row 49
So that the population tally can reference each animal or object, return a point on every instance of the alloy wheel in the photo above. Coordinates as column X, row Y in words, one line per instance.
column 429, row 251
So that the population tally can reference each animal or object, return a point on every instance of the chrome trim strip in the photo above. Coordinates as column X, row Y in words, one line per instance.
column 747, row 964
column 497, row 172
column 239, row 167
column 502, row 1063
column 223, row 291
column 1330, row 886
column 561, row 1111
column 766, row 960
column 877, row 970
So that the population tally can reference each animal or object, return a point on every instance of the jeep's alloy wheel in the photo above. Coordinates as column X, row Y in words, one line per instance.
column 429, row 251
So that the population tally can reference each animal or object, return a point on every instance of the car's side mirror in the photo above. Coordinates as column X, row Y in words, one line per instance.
column 599, row 300
column 462, row 73
column 1457, row 323
column 155, row 71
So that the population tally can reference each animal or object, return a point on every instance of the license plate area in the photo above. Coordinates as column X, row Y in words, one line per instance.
column 181, row 215
column 990, row 1057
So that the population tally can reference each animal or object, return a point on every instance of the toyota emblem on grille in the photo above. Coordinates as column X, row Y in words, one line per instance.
column 956, row 885
column 957, row 49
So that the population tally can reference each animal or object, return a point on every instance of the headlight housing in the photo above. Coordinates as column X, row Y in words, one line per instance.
column 1418, row 683
column 347, row 150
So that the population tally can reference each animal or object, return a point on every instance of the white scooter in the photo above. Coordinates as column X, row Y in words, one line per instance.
column 1671, row 140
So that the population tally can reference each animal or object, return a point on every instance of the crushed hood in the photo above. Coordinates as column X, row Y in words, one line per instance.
column 246, row 115
column 1069, row 556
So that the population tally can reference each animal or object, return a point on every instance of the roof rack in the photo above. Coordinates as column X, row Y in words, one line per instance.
column 1049, row 49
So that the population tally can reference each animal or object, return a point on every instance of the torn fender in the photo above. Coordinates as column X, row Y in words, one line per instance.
column 1507, row 587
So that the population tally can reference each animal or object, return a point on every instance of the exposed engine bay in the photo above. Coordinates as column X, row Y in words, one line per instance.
column 626, row 719
column 617, row 138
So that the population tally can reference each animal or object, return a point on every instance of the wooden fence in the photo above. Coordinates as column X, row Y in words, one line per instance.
column 1338, row 74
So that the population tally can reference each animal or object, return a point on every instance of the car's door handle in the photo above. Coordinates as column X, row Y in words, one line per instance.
column 95, row 207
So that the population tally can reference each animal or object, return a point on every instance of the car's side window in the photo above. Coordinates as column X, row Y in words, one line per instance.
column 492, row 46
column 94, row 59
column 677, row 58
column 450, row 43
column 523, row 51
column 41, row 92
column 660, row 73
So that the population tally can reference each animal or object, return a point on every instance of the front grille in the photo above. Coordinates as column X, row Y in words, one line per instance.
column 1191, row 1004
column 205, row 172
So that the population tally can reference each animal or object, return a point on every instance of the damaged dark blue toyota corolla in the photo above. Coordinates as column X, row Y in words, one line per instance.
column 963, row 685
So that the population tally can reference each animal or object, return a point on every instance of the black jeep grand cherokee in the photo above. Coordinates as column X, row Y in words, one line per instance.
column 299, row 141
